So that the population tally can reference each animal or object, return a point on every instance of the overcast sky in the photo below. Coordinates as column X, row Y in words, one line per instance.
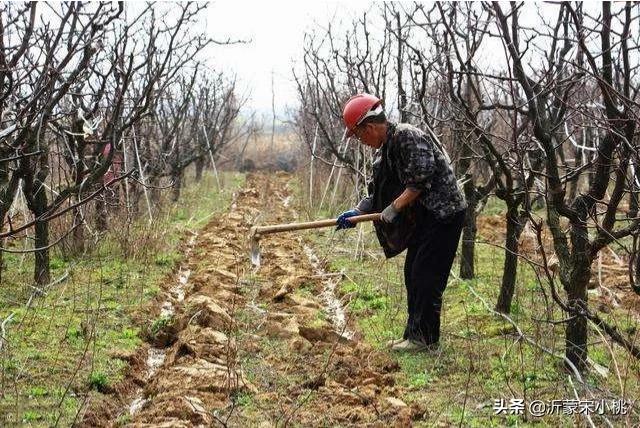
column 276, row 30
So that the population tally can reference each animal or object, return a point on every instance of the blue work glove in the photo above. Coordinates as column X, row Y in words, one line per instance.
column 389, row 214
column 343, row 223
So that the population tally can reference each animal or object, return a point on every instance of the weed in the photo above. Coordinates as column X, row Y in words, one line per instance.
column 96, row 301
column 31, row 416
column 123, row 420
column 152, row 291
column 98, row 381
column 165, row 259
column 129, row 333
column 38, row 391
column 243, row 399
column 160, row 323
column 472, row 337
column 74, row 333
column 57, row 263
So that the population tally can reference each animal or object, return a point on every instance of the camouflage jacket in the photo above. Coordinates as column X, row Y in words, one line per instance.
column 409, row 158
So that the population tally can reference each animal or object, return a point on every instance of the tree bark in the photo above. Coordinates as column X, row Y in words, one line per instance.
column 633, row 199
column 102, row 221
column 177, row 185
column 576, row 288
column 468, row 246
column 576, row 330
column 42, row 274
column 77, row 242
column 510, row 270
column 199, row 168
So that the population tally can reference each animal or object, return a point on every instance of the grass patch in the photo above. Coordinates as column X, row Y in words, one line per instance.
column 58, row 347
column 99, row 381
column 481, row 359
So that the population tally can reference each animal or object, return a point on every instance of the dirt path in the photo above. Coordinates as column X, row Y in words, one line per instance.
column 272, row 348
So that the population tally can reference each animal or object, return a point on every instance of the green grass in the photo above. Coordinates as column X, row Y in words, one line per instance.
column 160, row 323
column 481, row 360
column 99, row 381
column 62, row 347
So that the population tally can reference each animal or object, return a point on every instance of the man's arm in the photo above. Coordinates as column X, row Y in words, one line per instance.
column 406, row 198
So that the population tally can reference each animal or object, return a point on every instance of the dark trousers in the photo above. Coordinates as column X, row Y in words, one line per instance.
column 426, row 269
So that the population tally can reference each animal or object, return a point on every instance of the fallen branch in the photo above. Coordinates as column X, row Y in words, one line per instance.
column 3, row 329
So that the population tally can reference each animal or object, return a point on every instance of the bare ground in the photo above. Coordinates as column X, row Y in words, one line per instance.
column 237, row 348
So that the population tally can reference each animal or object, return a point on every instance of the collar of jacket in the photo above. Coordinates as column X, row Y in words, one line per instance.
column 391, row 130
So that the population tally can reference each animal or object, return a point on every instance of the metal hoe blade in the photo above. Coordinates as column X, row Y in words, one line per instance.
column 255, row 247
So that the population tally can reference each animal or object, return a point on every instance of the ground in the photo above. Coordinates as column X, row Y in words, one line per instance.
column 256, row 347
column 300, row 341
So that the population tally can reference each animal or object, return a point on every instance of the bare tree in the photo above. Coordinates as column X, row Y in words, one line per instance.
column 548, row 97
column 75, row 89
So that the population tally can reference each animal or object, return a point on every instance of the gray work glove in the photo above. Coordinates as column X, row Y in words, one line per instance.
column 389, row 214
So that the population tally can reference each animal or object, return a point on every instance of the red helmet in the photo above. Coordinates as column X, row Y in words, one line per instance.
column 356, row 109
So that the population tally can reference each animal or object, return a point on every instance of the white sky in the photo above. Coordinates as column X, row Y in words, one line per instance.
column 276, row 29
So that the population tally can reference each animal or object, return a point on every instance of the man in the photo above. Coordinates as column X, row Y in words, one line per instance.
column 422, row 210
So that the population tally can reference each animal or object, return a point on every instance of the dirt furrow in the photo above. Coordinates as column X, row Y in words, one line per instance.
column 200, row 371
column 301, row 352
column 269, row 348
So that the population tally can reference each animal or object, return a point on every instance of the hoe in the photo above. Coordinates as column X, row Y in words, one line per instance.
column 257, row 232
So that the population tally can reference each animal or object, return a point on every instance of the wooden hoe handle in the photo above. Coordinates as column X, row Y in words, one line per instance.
column 263, row 230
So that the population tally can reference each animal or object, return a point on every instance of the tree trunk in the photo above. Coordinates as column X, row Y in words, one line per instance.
column 155, row 192
column 199, row 168
column 633, row 201
column 135, row 196
column 41, row 274
column 636, row 277
column 3, row 242
column 468, row 246
column 576, row 330
column 576, row 289
column 510, row 269
column 240, row 159
column 102, row 221
column 8, row 188
column 574, row 185
column 177, row 185
column 77, row 240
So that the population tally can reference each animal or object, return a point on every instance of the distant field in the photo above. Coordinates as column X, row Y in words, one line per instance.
column 263, row 152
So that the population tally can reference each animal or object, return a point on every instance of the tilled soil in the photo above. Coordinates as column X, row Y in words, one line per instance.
column 275, row 347
column 265, row 348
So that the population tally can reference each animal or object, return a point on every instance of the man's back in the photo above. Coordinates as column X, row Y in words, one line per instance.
column 421, row 164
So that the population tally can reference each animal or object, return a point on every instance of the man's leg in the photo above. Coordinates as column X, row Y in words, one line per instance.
column 429, row 274
column 408, row 282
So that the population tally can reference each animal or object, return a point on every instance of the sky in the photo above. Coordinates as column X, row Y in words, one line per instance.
column 275, row 30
